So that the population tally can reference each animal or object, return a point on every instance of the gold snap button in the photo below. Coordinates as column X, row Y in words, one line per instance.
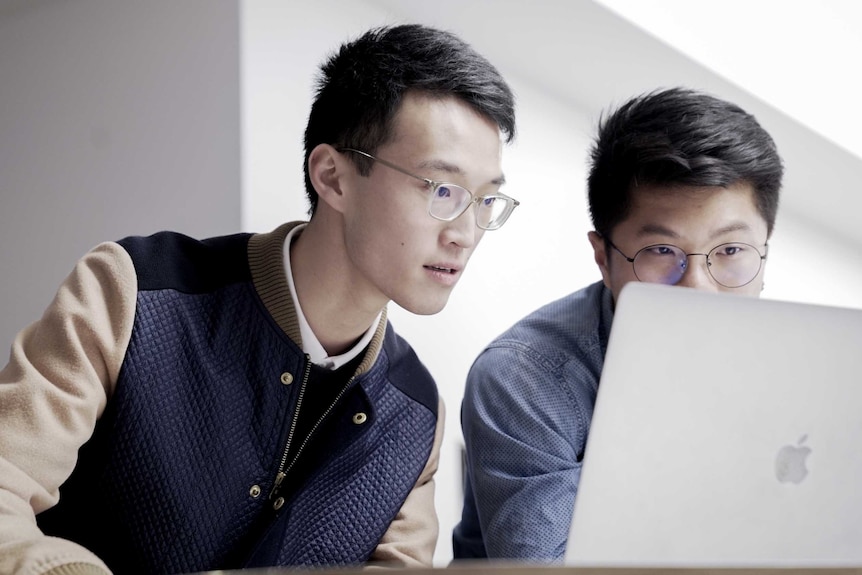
column 286, row 378
column 359, row 418
column 254, row 491
column 278, row 503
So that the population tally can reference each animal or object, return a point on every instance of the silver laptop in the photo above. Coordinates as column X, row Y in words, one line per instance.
column 727, row 432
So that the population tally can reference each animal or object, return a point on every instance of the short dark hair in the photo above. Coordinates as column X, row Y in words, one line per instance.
column 360, row 88
column 679, row 136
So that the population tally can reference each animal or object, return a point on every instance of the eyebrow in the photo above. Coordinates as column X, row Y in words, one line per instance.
column 441, row 166
column 660, row 230
column 733, row 227
column 656, row 230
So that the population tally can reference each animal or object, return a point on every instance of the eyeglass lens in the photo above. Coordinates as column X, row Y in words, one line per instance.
column 449, row 201
column 731, row 265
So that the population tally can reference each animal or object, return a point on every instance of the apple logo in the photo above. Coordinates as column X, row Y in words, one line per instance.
column 790, row 462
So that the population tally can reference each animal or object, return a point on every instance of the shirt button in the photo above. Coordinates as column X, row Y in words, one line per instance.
column 254, row 491
column 359, row 418
column 278, row 503
column 286, row 378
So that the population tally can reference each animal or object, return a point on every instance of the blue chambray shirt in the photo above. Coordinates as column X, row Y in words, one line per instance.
column 525, row 415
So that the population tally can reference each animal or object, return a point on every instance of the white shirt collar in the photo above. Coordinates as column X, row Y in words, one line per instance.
column 310, row 344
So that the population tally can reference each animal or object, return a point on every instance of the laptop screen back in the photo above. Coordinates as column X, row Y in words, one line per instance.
column 727, row 432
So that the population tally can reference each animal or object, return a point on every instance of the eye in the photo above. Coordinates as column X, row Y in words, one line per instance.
column 660, row 250
column 730, row 250
column 443, row 192
column 488, row 201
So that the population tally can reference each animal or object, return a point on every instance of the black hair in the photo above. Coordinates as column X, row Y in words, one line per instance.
column 679, row 136
column 360, row 88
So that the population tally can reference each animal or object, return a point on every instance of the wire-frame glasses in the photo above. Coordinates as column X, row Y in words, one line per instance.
column 448, row 201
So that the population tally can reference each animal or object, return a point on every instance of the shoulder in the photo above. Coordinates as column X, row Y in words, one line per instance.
column 552, row 356
column 407, row 372
column 564, row 328
column 170, row 260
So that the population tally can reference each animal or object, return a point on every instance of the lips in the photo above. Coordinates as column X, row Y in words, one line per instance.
column 441, row 269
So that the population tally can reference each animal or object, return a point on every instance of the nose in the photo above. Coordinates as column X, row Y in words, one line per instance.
column 697, row 274
column 463, row 231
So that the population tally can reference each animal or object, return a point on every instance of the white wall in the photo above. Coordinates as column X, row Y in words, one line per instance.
column 795, row 54
column 811, row 264
column 116, row 118
column 542, row 253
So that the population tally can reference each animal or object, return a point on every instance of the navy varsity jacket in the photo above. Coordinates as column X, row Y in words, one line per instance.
column 187, row 469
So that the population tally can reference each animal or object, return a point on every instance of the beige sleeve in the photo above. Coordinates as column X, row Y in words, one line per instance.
column 61, row 371
column 412, row 537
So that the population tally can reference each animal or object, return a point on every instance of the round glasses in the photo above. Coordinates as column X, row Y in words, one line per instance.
column 731, row 265
column 448, row 201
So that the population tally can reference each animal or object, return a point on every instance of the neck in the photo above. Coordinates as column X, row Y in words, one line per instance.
column 338, row 311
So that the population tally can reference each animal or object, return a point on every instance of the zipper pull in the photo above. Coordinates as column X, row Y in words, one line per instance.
column 278, row 479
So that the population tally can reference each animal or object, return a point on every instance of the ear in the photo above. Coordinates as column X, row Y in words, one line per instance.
column 326, row 169
column 600, row 254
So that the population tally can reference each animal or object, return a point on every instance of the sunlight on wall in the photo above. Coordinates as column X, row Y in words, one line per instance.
column 795, row 54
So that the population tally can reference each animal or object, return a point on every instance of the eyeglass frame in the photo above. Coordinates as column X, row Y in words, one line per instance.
column 435, row 185
column 687, row 255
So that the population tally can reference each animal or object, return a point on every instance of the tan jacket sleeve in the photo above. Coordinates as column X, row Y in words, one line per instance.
column 62, row 370
column 412, row 537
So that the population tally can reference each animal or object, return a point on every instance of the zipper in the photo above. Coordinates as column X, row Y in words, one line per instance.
column 282, row 474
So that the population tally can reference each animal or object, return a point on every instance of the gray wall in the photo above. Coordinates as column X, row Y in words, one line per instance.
column 116, row 118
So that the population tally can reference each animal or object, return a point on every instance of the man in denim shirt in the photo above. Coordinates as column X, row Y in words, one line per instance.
column 683, row 189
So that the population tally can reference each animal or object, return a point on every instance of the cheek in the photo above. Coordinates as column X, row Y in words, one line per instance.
column 377, row 219
column 480, row 233
column 620, row 269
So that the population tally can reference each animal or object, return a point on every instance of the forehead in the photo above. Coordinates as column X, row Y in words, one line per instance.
column 445, row 138
column 422, row 116
column 693, row 210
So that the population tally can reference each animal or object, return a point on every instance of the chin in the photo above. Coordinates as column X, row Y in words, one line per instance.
column 424, row 307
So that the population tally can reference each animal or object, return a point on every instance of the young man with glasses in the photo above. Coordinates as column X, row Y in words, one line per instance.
column 683, row 190
column 242, row 401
